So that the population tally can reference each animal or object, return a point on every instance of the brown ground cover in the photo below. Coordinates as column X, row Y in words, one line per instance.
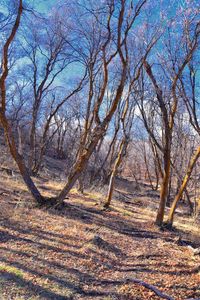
column 84, row 252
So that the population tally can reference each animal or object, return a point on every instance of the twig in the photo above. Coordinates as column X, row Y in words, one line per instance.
column 152, row 288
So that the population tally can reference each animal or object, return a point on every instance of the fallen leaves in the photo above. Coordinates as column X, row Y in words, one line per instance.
column 66, row 255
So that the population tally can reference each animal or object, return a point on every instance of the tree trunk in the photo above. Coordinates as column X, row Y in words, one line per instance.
column 79, row 165
column 80, row 185
column 168, row 202
column 148, row 173
column 6, row 126
column 164, row 188
column 114, row 172
column 32, row 150
column 20, row 147
column 190, row 204
column 183, row 186
column 19, row 161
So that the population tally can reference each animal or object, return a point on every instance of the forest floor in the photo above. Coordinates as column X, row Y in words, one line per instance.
column 84, row 252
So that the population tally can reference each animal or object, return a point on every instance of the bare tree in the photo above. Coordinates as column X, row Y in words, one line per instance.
column 126, row 120
column 95, row 128
column 112, row 47
column 4, row 121
column 183, row 186
column 168, row 105
column 188, row 92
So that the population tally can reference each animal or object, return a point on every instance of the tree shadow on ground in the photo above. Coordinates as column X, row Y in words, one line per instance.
column 32, row 289
column 105, row 219
column 101, row 253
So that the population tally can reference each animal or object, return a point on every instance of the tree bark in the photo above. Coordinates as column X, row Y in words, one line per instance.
column 79, row 165
column 113, row 174
column 19, row 161
column 183, row 186
column 164, row 188
column 80, row 187
column 3, row 120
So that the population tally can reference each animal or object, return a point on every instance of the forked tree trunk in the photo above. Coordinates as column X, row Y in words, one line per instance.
column 79, row 166
column 113, row 174
column 183, row 186
column 85, row 153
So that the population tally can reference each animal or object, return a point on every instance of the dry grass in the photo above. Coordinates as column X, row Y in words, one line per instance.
column 10, row 183
column 84, row 252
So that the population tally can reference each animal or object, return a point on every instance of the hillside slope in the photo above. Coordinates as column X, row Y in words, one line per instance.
column 84, row 252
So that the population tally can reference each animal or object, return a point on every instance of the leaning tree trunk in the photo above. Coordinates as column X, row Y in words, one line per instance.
column 19, row 161
column 113, row 174
column 183, row 186
column 79, row 165
column 3, row 120
column 98, row 132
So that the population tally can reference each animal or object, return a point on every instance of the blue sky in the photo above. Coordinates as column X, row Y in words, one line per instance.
column 44, row 5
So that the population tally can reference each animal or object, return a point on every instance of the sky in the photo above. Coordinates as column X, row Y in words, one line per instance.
column 44, row 5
